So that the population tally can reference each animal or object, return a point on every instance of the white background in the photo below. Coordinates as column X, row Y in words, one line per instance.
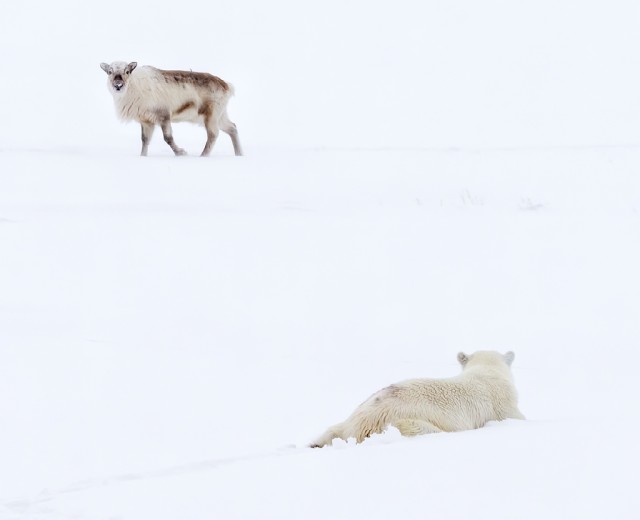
column 421, row 178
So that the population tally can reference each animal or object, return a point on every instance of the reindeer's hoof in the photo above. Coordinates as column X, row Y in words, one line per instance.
column 180, row 151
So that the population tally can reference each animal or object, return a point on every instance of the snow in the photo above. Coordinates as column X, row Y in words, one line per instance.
column 418, row 181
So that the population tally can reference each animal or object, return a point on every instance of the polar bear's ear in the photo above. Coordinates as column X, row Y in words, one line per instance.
column 509, row 357
column 462, row 358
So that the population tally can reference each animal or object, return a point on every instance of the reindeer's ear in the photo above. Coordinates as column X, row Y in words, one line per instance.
column 462, row 358
column 131, row 66
column 105, row 67
column 509, row 357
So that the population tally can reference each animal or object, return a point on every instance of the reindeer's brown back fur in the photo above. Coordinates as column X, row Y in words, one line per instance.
column 201, row 79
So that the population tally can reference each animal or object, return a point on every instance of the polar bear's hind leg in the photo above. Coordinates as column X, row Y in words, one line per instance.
column 335, row 432
column 413, row 427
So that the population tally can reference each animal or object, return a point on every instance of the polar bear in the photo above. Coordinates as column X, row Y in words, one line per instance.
column 483, row 392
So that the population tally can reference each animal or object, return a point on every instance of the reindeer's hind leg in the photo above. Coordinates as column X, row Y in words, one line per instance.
column 147, row 132
column 165, row 124
column 230, row 128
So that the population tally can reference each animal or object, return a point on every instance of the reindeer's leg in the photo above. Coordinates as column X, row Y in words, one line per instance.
column 230, row 128
column 165, row 124
column 147, row 132
column 207, row 111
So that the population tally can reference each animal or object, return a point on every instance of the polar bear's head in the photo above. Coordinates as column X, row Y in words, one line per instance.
column 485, row 357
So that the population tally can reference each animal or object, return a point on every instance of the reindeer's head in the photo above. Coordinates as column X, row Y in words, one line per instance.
column 119, row 73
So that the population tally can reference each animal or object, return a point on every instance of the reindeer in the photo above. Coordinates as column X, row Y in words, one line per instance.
column 157, row 97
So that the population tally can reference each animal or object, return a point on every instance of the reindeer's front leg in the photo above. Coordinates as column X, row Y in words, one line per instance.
column 207, row 110
column 147, row 132
column 165, row 124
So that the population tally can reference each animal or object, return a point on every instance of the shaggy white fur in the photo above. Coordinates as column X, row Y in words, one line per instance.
column 483, row 392
column 147, row 91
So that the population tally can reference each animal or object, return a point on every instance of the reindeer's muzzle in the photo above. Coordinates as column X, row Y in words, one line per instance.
column 118, row 83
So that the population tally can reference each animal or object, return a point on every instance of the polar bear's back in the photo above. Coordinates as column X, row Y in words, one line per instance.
column 458, row 403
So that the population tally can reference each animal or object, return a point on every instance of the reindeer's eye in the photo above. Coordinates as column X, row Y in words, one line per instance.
column 127, row 73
